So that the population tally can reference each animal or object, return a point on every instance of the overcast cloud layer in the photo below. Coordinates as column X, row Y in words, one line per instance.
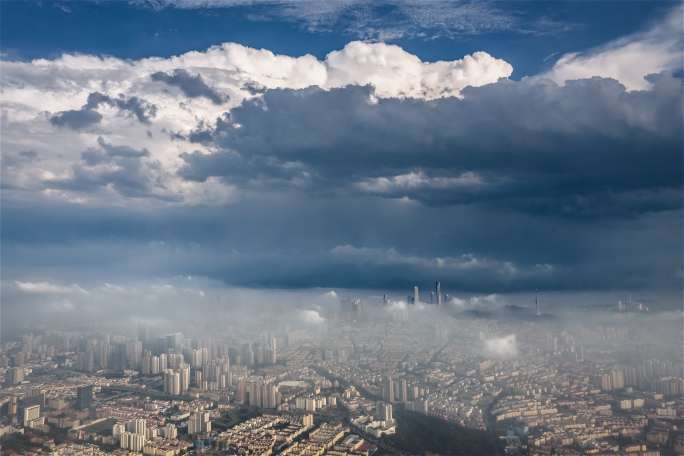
column 370, row 168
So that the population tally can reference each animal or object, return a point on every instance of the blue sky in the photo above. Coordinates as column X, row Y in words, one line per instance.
column 530, row 34
column 497, row 147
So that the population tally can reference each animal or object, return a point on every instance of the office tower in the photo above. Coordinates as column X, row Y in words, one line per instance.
column 273, row 351
column 385, row 299
column 37, row 396
column 241, row 392
column 146, row 368
column 617, row 378
column 132, row 441
column 247, row 355
column 174, row 360
column 416, row 295
column 388, row 389
column 118, row 429
column 269, row 396
column 199, row 357
column 31, row 415
column 403, row 390
column 15, row 375
column 172, row 382
column 537, row 305
column 102, row 357
column 199, row 423
column 134, row 351
column 86, row 361
column 139, row 426
column 438, row 293
column 253, row 392
column 184, row 377
column 170, row 431
column 154, row 366
column 383, row 410
column 18, row 359
column 163, row 362
column 84, row 397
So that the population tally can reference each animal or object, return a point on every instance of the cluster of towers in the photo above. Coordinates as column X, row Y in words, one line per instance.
column 436, row 296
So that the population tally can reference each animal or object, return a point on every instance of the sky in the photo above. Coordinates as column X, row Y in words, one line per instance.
column 497, row 147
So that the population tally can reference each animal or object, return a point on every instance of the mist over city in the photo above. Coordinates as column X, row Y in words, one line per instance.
column 352, row 227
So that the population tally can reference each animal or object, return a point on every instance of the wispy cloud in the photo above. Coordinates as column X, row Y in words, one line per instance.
column 383, row 20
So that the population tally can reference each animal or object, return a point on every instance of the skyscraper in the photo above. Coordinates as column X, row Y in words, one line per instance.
column 537, row 305
column 383, row 412
column 438, row 293
column 184, row 377
column 388, row 389
column 84, row 397
column 416, row 295
column 172, row 382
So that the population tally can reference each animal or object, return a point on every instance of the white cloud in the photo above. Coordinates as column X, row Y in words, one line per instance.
column 48, row 288
column 332, row 294
column 466, row 263
column 629, row 59
column 475, row 301
column 37, row 91
column 418, row 180
column 312, row 317
column 501, row 347
column 396, row 73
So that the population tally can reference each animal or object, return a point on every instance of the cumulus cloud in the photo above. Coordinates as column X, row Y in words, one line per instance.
column 312, row 317
column 125, row 170
column 435, row 152
column 332, row 294
column 88, row 115
column 396, row 73
column 165, row 105
column 501, row 347
column 135, row 106
column 629, row 59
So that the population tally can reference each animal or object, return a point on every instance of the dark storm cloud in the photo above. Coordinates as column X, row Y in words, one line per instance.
column 518, row 186
column 76, row 119
column 587, row 149
column 128, row 171
column 291, row 240
column 192, row 86
column 141, row 109
column 86, row 116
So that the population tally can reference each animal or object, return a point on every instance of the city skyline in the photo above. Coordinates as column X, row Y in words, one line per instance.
column 341, row 228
